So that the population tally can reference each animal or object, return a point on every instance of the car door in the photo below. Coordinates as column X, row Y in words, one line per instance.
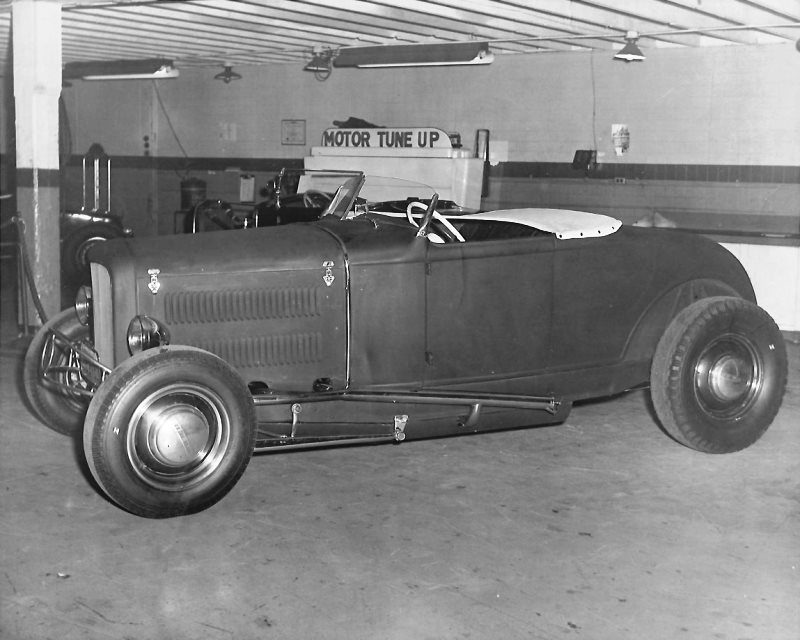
column 488, row 311
column 601, row 288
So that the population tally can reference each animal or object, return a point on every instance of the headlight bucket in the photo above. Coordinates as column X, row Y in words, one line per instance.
column 146, row 333
column 83, row 305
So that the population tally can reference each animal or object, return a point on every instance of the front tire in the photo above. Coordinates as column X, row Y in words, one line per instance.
column 59, row 409
column 170, row 432
column 719, row 374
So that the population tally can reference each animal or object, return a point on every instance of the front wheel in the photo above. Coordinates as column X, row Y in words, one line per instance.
column 719, row 374
column 51, row 369
column 170, row 432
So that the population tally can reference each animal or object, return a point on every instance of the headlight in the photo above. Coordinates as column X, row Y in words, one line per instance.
column 83, row 305
column 145, row 333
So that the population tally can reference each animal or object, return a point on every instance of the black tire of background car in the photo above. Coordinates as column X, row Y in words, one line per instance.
column 130, row 454
column 60, row 410
column 74, row 263
column 719, row 374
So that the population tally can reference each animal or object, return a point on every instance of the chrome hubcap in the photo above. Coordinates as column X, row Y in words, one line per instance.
column 728, row 376
column 178, row 436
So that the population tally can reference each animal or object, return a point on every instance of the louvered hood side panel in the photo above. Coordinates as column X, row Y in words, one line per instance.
column 240, row 305
column 284, row 328
column 264, row 327
column 271, row 304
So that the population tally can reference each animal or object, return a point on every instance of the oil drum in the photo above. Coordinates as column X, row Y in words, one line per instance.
column 193, row 191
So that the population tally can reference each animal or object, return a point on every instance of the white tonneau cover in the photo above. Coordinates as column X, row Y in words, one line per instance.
column 563, row 223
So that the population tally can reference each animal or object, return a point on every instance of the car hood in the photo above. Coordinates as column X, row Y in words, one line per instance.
column 287, row 247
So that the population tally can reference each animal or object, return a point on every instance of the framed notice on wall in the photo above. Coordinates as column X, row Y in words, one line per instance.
column 293, row 132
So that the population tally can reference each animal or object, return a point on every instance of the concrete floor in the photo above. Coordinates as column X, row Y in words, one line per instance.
column 601, row 528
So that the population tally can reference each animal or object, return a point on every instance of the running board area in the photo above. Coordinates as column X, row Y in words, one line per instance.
column 474, row 403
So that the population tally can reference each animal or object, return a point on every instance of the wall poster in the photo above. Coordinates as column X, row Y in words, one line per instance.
column 293, row 132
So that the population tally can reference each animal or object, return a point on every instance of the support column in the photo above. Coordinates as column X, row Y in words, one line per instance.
column 36, row 29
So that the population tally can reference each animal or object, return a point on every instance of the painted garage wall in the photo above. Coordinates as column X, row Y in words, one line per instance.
column 723, row 105
column 714, row 132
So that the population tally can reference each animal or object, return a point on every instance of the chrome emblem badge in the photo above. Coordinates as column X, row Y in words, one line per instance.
column 154, row 285
column 328, row 277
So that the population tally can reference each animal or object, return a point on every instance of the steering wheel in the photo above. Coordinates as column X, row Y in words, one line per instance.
column 312, row 198
column 216, row 212
column 450, row 233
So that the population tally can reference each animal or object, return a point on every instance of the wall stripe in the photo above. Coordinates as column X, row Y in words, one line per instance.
column 45, row 177
column 186, row 165
column 777, row 174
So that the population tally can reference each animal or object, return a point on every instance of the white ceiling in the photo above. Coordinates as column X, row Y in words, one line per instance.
column 214, row 32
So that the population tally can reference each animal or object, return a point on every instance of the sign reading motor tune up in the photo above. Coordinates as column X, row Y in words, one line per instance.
column 387, row 138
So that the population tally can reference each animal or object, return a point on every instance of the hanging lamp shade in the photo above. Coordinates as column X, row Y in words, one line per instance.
column 320, row 63
column 227, row 75
column 631, row 51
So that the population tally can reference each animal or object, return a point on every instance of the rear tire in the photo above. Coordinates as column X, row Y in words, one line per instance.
column 719, row 374
column 59, row 409
column 170, row 432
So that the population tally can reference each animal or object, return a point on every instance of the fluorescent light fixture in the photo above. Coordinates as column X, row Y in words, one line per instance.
column 151, row 69
column 415, row 55
column 630, row 52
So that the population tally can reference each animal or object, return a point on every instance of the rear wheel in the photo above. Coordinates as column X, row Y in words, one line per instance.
column 170, row 432
column 719, row 374
column 57, row 407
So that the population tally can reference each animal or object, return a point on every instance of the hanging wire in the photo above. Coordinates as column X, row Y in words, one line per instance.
column 172, row 128
column 594, row 102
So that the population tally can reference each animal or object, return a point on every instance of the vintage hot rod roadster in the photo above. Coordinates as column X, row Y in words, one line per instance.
column 190, row 352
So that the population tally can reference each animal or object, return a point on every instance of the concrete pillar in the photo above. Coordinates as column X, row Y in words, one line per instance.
column 36, row 29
